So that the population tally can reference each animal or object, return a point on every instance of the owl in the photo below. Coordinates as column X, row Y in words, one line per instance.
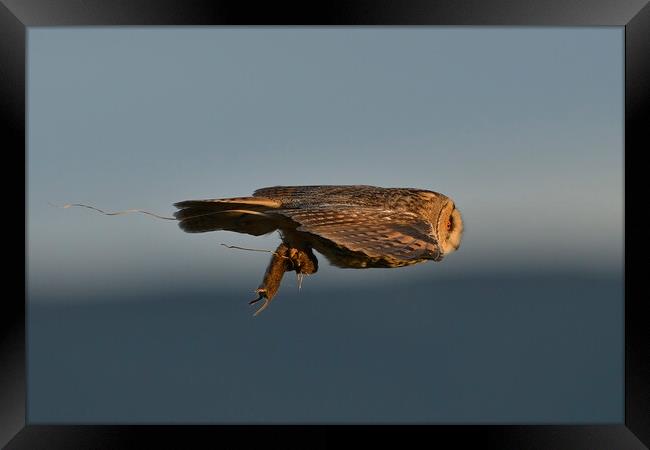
column 353, row 226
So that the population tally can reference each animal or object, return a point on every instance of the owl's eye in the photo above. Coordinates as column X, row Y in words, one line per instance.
column 448, row 224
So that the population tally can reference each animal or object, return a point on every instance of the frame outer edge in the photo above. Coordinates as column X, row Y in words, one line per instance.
column 637, row 99
column 323, row 12
column 12, row 86
column 12, row 317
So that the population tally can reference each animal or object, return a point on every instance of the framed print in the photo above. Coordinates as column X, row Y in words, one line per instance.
column 470, row 162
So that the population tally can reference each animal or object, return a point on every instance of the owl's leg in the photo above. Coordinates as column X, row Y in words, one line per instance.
column 304, row 262
column 280, row 263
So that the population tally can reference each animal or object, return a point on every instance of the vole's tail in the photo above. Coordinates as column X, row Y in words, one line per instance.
column 115, row 213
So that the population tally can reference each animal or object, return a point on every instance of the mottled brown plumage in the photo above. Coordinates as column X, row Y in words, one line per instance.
column 352, row 226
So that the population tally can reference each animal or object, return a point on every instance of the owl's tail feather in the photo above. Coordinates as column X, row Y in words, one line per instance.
column 247, row 215
column 224, row 204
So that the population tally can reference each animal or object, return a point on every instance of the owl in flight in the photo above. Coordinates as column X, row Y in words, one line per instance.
column 352, row 226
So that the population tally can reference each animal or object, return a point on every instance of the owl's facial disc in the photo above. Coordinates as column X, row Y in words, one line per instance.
column 450, row 228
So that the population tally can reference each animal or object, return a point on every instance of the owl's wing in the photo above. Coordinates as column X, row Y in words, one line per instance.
column 374, row 232
column 293, row 193
column 320, row 195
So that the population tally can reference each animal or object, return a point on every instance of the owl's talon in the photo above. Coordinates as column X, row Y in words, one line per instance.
column 263, row 307
column 261, row 293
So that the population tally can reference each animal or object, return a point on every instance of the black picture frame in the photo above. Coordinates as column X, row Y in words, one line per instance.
column 17, row 15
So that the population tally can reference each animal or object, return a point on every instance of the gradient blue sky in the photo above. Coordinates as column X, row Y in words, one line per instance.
column 522, row 127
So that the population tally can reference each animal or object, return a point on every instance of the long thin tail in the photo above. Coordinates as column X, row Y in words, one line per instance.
column 116, row 213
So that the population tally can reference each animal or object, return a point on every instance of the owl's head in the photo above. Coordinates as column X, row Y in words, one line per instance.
column 450, row 228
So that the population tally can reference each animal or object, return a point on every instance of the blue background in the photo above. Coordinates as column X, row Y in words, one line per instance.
column 132, row 320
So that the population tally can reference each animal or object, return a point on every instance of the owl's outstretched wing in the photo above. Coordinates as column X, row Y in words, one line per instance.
column 372, row 232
